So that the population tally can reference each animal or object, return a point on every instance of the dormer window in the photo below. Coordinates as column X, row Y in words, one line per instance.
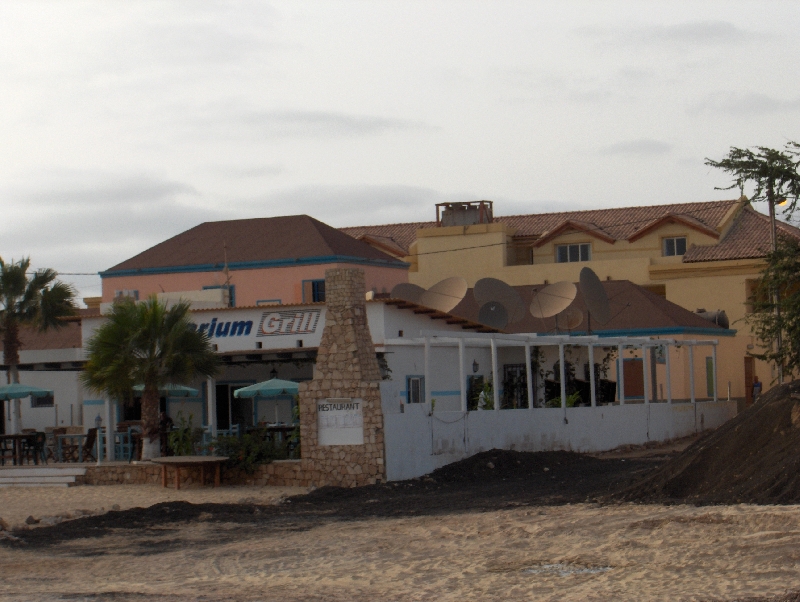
column 674, row 246
column 573, row 253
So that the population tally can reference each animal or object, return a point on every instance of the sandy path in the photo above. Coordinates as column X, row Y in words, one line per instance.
column 577, row 552
column 18, row 503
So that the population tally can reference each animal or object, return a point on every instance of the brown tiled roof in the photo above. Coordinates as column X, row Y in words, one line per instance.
column 617, row 224
column 66, row 337
column 252, row 240
column 633, row 308
column 748, row 238
column 401, row 234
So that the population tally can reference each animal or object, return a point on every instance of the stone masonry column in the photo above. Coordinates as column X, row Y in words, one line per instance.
column 346, row 370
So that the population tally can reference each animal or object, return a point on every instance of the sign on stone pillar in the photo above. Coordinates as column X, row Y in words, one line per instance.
column 341, row 422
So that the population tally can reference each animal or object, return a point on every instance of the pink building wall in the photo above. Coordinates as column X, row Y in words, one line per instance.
column 284, row 283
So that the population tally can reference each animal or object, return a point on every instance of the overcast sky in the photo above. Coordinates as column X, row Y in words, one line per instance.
column 124, row 123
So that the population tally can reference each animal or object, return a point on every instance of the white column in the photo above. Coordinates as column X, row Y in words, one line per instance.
column 427, row 372
column 645, row 374
column 562, row 375
column 621, row 375
column 461, row 375
column 669, row 376
column 110, row 428
column 714, row 369
column 495, row 377
column 691, row 373
column 529, row 375
column 13, row 406
column 592, row 385
column 211, row 392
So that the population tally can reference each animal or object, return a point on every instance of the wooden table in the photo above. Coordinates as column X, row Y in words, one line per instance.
column 179, row 462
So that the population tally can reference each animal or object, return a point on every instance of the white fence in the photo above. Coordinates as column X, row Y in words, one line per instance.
column 418, row 443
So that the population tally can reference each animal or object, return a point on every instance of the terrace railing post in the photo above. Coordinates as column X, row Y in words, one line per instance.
column 109, row 432
column 461, row 375
column 529, row 374
column 714, row 369
column 592, row 386
column 646, row 380
column 691, row 373
column 562, row 375
column 495, row 376
column 621, row 375
column 427, row 373
column 669, row 376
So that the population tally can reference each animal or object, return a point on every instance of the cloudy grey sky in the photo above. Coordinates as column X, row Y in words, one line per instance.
column 126, row 123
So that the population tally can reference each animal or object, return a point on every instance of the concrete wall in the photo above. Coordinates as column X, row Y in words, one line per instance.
column 418, row 443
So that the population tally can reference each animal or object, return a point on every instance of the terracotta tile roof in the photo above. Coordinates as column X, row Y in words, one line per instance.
column 66, row 337
column 748, row 238
column 252, row 240
column 401, row 234
column 618, row 223
column 633, row 308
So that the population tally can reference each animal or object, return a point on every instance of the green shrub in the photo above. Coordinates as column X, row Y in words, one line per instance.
column 248, row 451
column 183, row 439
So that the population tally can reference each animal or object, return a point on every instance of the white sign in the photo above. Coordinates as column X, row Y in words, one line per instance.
column 340, row 422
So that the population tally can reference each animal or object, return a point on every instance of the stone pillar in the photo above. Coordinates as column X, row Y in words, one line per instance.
column 346, row 368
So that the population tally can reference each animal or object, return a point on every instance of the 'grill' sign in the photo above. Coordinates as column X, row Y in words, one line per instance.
column 288, row 322
column 340, row 422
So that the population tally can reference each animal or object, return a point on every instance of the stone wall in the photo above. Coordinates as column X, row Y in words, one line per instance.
column 346, row 367
column 281, row 473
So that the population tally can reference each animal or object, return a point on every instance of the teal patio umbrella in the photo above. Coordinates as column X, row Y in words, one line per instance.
column 268, row 388
column 170, row 390
column 18, row 391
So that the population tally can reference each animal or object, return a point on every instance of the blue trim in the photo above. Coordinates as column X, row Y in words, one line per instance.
column 446, row 393
column 250, row 265
column 94, row 402
column 632, row 332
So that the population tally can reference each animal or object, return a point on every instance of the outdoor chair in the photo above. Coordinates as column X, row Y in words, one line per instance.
column 52, row 443
column 34, row 448
column 88, row 449
column 6, row 451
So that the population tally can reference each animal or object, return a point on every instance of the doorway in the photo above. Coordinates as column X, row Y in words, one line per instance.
column 749, row 377
column 231, row 410
column 634, row 378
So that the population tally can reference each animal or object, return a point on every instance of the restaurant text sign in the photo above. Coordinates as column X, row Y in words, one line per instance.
column 340, row 421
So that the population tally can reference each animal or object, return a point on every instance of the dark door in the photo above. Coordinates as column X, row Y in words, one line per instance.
column 223, row 417
column 749, row 373
column 515, row 386
column 2, row 417
column 634, row 378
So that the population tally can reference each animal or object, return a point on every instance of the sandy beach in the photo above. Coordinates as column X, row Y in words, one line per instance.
column 570, row 552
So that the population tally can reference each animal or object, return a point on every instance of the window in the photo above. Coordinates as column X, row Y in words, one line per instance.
column 43, row 402
column 313, row 291
column 675, row 245
column 573, row 253
column 415, row 389
column 133, row 294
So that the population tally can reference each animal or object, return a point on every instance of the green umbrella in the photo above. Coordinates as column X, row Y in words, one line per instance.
column 18, row 391
column 269, row 388
column 170, row 390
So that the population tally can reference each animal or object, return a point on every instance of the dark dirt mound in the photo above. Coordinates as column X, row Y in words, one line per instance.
column 488, row 481
column 753, row 458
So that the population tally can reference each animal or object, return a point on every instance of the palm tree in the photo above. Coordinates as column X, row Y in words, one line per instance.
column 150, row 344
column 38, row 301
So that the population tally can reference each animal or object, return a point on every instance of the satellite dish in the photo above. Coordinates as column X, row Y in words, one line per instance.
column 444, row 295
column 594, row 295
column 570, row 318
column 493, row 314
column 553, row 299
column 488, row 290
column 407, row 292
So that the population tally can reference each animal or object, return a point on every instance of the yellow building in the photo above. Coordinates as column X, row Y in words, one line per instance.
column 705, row 255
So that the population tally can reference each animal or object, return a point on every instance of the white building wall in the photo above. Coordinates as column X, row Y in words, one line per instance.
column 68, row 401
